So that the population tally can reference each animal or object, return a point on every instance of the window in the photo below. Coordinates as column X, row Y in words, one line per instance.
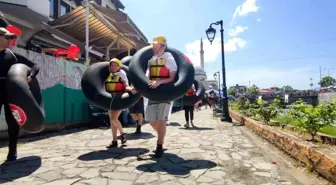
column 51, row 8
column 65, row 8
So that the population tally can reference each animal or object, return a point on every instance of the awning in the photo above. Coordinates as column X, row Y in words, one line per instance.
column 33, row 24
column 104, row 33
column 123, row 23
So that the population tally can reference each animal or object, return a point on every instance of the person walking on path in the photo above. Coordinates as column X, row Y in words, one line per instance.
column 7, row 59
column 116, row 83
column 137, row 112
column 162, row 70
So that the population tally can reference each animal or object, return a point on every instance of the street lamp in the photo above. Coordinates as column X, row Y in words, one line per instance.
column 219, row 87
column 211, row 33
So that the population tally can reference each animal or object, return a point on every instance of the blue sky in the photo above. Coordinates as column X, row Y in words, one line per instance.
column 267, row 43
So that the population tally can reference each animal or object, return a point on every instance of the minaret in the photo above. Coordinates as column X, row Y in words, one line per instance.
column 202, row 55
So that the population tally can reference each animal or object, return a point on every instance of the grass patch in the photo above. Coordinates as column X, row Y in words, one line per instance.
column 329, row 130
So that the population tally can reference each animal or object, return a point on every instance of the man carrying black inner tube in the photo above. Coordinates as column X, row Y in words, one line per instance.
column 162, row 70
column 7, row 59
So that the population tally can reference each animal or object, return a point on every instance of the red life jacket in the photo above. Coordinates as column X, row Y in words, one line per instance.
column 190, row 92
column 114, row 84
column 158, row 70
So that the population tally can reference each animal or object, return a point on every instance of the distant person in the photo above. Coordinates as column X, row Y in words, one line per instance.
column 137, row 112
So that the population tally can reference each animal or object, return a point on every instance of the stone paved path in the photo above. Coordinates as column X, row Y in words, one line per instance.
column 215, row 153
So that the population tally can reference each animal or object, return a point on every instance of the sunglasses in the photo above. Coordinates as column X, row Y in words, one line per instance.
column 9, row 37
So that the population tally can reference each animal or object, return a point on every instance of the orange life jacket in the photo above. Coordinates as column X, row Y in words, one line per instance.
column 114, row 84
column 157, row 69
column 190, row 92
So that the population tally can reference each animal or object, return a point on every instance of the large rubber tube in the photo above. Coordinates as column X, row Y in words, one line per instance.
column 126, row 60
column 199, row 94
column 25, row 99
column 165, row 92
column 93, row 88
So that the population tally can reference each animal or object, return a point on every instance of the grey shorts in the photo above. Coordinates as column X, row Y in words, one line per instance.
column 157, row 112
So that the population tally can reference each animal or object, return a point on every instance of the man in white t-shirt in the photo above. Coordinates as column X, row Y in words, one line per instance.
column 162, row 70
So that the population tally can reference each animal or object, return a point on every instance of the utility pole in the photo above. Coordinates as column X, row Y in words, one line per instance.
column 329, row 69
column 320, row 76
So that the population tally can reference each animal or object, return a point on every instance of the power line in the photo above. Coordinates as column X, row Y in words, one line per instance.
column 328, row 69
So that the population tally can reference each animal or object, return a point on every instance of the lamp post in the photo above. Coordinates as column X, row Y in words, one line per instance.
column 211, row 33
column 215, row 76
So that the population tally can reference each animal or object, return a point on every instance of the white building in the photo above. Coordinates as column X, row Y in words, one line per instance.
column 60, row 23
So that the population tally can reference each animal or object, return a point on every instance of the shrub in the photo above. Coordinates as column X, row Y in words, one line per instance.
column 243, row 102
column 286, row 119
column 270, row 112
column 312, row 119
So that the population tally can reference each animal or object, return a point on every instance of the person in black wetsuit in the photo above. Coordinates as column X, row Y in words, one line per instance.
column 7, row 59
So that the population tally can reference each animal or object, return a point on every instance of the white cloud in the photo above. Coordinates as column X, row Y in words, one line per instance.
column 247, row 7
column 259, row 20
column 237, row 30
column 211, row 52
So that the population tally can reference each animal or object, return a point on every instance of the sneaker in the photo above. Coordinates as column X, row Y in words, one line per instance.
column 113, row 144
column 186, row 125
column 123, row 138
column 164, row 149
column 158, row 152
column 11, row 157
column 138, row 129
column 192, row 124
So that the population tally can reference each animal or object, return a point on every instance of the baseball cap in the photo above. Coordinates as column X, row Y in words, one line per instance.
column 6, row 33
column 159, row 40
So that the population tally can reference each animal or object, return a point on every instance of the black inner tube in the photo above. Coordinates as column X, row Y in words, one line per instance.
column 126, row 60
column 94, row 88
column 165, row 92
column 26, row 96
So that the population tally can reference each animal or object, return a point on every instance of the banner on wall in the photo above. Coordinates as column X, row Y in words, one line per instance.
column 53, row 71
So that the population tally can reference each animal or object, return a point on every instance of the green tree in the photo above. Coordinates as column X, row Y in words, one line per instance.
column 231, row 91
column 270, row 112
column 327, row 81
column 311, row 118
column 242, row 102
column 287, row 88
column 254, row 90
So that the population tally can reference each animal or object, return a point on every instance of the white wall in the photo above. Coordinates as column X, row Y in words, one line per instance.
column 39, row 6
column 18, row 2
column 109, row 3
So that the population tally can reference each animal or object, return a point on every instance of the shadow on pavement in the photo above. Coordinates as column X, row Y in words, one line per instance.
column 143, row 135
column 20, row 168
column 174, row 124
column 173, row 164
column 115, row 153
column 43, row 135
column 197, row 128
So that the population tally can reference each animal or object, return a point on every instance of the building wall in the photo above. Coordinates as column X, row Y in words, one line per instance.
column 39, row 6
column 18, row 2
column 63, row 99
column 108, row 3
column 327, row 97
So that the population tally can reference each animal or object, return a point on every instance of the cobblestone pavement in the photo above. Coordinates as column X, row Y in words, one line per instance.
column 214, row 153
